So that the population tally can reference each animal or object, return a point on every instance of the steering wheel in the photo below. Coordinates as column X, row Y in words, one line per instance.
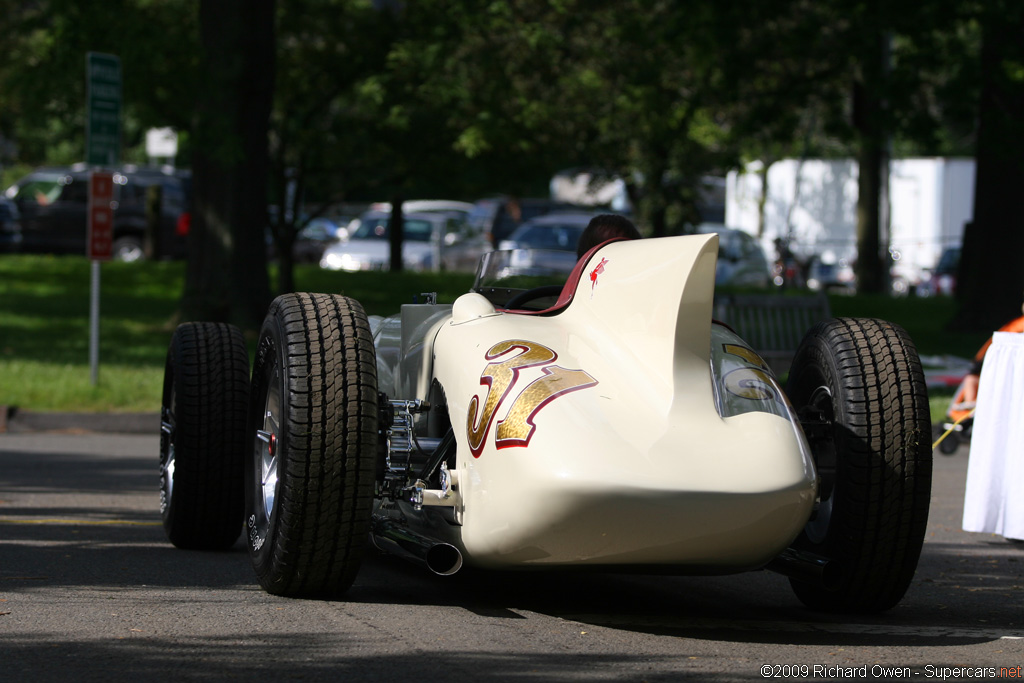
column 521, row 298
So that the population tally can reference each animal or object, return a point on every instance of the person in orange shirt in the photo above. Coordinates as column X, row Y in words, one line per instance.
column 969, row 389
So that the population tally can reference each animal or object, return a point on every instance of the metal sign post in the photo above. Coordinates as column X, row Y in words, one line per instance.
column 102, row 148
column 100, row 248
column 94, row 323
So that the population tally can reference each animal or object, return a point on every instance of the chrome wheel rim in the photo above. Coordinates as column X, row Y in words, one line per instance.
column 825, row 464
column 267, row 444
column 167, row 427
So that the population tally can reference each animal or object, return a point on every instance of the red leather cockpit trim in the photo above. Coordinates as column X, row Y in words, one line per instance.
column 569, row 289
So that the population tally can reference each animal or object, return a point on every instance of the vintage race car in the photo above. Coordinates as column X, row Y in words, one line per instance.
column 620, row 428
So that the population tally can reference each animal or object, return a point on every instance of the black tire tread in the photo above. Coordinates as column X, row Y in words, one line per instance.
column 327, row 486
column 883, row 492
column 209, row 364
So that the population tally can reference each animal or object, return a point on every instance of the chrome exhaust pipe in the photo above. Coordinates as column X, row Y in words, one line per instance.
column 443, row 559
column 805, row 566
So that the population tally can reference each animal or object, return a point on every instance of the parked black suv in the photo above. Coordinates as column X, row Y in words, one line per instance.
column 52, row 206
column 10, row 225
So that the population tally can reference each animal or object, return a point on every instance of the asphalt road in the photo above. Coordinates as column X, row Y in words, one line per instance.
column 90, row 590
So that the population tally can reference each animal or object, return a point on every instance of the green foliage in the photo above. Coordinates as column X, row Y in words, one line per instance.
column 507, row 92
column 44, row 325
column 43, row 73
column 459, row 98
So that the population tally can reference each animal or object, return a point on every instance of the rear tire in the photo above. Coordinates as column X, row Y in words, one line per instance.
column 202, row 436
column 862, row 381
column 312, row 441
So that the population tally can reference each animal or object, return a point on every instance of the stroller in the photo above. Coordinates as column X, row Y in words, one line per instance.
column 956, row 428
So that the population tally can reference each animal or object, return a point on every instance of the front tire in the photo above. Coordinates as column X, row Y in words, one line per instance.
column 859, row 387
column 202, row 436
column 950, row 444
column 312, row 440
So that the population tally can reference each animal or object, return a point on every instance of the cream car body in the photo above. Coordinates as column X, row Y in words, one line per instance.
column 620, row 428
column 627, row 429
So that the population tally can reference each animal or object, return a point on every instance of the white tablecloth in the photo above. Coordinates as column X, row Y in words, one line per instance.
column 994, row 500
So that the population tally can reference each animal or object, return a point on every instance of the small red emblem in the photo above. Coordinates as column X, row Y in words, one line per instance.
column 598, row 269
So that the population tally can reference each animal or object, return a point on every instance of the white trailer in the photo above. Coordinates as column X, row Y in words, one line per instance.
column 813, row 204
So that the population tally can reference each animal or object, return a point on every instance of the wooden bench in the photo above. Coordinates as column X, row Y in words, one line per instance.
column 772, row 324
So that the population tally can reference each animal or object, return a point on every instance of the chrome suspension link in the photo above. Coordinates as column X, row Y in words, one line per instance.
column 400, row 444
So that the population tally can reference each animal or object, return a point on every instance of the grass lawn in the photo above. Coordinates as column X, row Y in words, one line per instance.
column 44, row 333
column 44, row 326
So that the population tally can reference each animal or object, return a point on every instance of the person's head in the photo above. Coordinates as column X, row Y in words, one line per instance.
column 604, row 227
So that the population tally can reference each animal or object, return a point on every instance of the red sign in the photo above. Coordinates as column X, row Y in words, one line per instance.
column 101, row 216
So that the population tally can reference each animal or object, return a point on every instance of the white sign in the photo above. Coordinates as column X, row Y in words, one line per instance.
column 161, row 142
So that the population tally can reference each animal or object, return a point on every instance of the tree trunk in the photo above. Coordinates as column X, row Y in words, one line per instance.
column 869, row 121
column 288, row 227
column 991, row 278
column 226, row 277
column 870, row 272
column 286, row 261
column 762, row 200
column 655, row 202
column 396, row 234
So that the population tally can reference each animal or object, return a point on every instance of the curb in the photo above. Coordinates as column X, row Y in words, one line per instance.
column 15, row 421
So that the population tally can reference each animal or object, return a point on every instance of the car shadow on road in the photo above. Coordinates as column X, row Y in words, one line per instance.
column 69, row 548
column 314, row 658
column 954, row 585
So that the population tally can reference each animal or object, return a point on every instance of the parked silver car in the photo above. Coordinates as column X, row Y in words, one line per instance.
column 431, row 241
column 741, row 259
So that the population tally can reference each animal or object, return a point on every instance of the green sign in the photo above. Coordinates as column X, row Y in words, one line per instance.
column 103, row 109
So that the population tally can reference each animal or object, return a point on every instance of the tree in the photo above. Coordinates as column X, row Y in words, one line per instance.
column 891, row 93
column 827, row 92
column 991, row 278
column 504, row 77
column 630, row 89
column 854, row 78
column 42, row 75
column 664, row 104
column 357, row 117
column 382, row 100
column 325, row 114
column 870, row 120
column 787, row 90
column 226, row 278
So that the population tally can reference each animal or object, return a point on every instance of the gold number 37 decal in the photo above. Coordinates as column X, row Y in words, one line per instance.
column 500, row 377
